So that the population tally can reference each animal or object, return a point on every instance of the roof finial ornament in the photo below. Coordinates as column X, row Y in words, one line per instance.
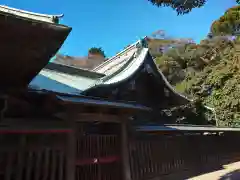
column 144, row 43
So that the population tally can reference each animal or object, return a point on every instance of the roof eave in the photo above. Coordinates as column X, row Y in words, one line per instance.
column 30, row 15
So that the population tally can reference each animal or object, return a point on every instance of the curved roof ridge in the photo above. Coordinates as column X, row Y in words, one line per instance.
column 124, row 73
column 123, row 68
column 126, row 50
column 135, row 63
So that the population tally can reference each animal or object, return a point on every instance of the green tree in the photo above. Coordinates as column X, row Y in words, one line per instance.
column 96, row 51
column 216, row 83
column 208, row 72
column 181, row 6
column 227, row 24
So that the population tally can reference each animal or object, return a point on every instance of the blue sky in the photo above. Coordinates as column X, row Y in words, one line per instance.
column 113, row 24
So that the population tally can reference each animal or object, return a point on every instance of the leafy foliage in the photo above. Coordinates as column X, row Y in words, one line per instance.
column 208, row 72
column 229, row 23
column 191, row 113
column 181, row 6
column 96, row 51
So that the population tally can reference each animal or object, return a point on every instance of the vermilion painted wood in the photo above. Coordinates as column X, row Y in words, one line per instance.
column 99, row 160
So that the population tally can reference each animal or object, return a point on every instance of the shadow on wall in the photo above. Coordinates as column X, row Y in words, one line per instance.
column 234, row 175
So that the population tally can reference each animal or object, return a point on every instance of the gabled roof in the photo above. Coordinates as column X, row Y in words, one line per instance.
column 116, row 70
column 111, row 71
column 116, row 73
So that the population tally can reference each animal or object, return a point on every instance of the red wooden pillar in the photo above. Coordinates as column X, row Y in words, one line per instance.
column 125, row 151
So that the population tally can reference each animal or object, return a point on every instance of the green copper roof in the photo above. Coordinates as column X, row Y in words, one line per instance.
column 111, row 71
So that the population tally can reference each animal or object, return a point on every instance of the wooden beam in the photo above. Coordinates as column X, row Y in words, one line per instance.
column 33, row 126
column 34, row 131
column 90, row 117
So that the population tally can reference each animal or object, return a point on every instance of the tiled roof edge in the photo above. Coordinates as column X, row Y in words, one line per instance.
column 72, row 70
column 30, row 15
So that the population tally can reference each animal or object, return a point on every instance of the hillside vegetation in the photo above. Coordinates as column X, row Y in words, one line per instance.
column 209, row 72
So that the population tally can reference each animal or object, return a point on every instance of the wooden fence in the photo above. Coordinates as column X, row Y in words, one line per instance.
column 98, row 154
column 33, row 156
column 181, row 155
column 98, row 157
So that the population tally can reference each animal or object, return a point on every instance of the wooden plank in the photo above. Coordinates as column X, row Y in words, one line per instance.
column 29, row 166
column 79, row 104
column 20, row 158
column 46, row 164
column 9, row 167
column 71, row 151
column 37, row 171
column 71, row 157
column 53, row 168
column 61, row 166
column 125, row 152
